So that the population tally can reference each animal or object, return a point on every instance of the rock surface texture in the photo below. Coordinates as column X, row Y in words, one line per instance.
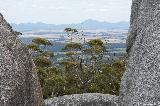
column 19, row 84
column 84, row 100
column 141, row 82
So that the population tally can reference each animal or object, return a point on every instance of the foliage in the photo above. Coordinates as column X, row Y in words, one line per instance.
column 41, row 61
column 42, row 41
column 34, row 47
column 95, row 42
column 72, row 46
column 81, row 71
column 70, row 32
column 17, row 33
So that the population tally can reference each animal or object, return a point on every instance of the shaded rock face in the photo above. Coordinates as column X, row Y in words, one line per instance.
column 19, row 84
column 140, row 84
column 84, row 100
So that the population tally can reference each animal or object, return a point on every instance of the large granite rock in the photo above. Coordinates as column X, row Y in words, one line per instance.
column 141, row 82
column 93, row 99
column 19, row 84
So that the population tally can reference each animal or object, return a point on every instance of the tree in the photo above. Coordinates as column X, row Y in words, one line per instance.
column 109, row 78
column 42, row 59
column 70, row 32
column 95, row 51
column 81, row 71
column 82, row 60
column 84, row 63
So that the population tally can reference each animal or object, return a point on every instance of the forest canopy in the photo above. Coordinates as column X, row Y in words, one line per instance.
column 81, row 70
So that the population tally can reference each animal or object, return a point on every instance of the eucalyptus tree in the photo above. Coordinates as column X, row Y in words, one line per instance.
column 70, row 32
column 82, row 60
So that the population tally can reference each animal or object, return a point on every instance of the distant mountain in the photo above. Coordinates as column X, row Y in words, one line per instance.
column 87, row 24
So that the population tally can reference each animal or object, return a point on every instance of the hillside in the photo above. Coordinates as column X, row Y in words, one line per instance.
column 87, row 24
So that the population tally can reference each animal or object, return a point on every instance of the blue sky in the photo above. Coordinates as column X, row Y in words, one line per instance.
column 65, row 11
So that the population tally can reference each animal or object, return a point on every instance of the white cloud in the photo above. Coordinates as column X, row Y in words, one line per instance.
column 65, row 11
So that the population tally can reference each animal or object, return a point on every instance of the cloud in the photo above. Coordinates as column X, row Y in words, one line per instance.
column 65, row 11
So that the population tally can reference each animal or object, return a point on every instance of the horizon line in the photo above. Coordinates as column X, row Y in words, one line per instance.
column 40, row 22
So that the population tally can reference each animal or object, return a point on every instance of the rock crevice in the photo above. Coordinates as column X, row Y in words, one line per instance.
column 140, row 84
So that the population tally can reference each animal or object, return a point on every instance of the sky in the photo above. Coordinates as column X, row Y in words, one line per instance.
column 65, row 11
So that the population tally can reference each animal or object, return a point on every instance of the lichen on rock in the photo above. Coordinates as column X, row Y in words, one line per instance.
column 140, row 84
column 19, row 84
column 88, row 99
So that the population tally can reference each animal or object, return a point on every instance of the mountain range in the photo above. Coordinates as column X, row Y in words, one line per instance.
column 87, row 24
